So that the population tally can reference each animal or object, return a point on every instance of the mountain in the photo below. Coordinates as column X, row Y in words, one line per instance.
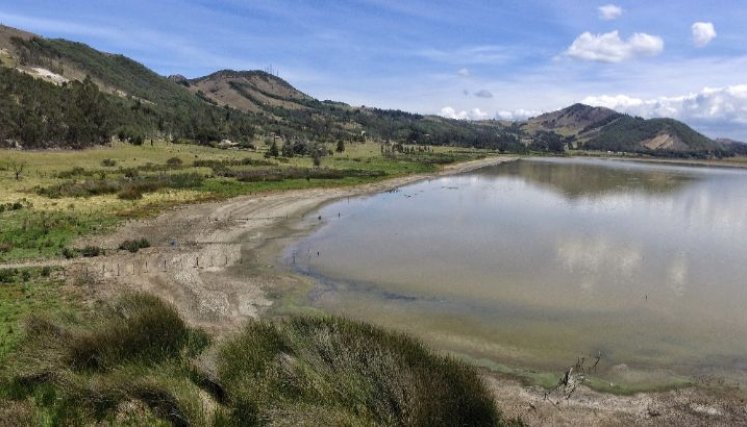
column 572, row 120
column 244, row 106
column 598, row 128
column 249, row 91
column 56, row 92
column 737, row 147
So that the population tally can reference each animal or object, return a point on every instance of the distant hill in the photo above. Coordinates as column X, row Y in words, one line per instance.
column 598, row 128
column 249, row 91
column 736, row 147
column 40, row 76
column 244, row 106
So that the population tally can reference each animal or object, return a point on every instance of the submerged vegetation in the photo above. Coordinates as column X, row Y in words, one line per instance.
column 136, row 361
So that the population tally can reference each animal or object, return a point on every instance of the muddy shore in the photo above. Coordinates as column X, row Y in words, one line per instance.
column 219, row 264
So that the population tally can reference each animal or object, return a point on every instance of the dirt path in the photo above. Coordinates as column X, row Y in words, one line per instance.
column 217, row 262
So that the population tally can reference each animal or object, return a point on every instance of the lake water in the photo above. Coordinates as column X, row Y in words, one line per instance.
column 535, row 263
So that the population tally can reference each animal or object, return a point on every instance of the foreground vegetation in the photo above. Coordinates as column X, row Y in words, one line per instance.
column 25, row 291
column 136, row 362
column 49, row 199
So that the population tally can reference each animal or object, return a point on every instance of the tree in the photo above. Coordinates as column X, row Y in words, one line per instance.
column 340, row 146
column 317, row 151
column 273, row 152
column 316, row 157
column 287, row 150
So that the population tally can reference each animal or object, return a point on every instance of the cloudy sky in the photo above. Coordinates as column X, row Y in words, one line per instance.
column 467, row 59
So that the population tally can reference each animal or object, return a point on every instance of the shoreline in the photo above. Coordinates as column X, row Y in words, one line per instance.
column 220, row 264
column 725, row 164
column 237, row 242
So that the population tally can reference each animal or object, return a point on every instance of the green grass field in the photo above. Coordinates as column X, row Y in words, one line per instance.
column 26, row 291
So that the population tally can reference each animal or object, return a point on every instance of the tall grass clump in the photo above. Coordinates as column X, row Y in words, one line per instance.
column 136, row 362
column 87, row 370
column 332, row 371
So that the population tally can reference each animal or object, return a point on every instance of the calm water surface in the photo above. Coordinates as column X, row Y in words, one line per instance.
column 535, row 263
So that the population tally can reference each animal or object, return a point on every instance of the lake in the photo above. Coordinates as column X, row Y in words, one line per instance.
column 527, row 266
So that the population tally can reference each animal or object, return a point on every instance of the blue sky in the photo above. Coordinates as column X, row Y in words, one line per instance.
column 468, row 59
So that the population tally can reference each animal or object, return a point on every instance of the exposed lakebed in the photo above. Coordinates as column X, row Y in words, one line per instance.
column 535, row 263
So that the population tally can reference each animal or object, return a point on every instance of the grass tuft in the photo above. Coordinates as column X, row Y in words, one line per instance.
column 350, row 373
column 136, row 362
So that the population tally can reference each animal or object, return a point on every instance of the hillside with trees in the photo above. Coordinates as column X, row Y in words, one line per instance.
column 57, row 93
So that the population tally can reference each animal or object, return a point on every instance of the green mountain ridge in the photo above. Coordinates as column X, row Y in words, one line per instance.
column 599, row 128
column 251, row 106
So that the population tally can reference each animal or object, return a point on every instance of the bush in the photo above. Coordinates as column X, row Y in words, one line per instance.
column 81, row 370
column 138, row 328
column 69, row 253
column 109, row 163
column 8, row 275
column 174, row 162
column 134, row 245
column 130, row 193
column 130, row 188
column 131, row 135
column 91, row 251
column 336, row 369
column 279, row 174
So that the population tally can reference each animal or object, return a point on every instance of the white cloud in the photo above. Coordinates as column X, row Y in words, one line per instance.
column 484, row 54
column 463, row 72
column 610, row 12
column 703, row 33
column 473, row 114
column 484, row 93
column 519, row 114
column 609, row 47
column 723, row 106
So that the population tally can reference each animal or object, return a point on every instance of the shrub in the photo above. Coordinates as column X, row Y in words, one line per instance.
column 134, row 245
column 304, row 368
column 46, row 271
column 8, row 275
column 109, row 163
column 130, row 193
column 279, row 174
column 128, row 189
column 91, row 251
column 69, row 253
column 174, row 162
column 81, row 370
column 74, row 172
column 139, row 327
